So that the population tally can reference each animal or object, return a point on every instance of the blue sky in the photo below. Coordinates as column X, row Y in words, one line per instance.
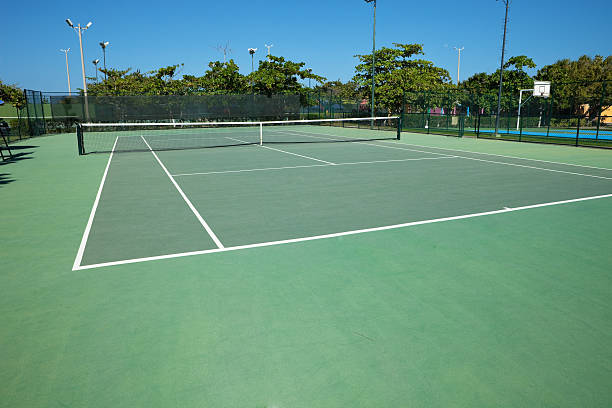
column 324, row 34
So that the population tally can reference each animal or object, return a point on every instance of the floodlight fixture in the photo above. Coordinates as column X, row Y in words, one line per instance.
column 79, row 29
column 268, row 47
column 104, row 44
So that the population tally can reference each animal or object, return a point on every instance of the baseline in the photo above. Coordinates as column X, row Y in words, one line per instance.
column 344, row 233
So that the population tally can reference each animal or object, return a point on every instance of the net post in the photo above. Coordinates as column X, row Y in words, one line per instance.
column 261, row 133
column 80, row 139
column 399, row 126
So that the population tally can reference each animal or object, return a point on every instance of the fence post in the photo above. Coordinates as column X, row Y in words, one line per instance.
column 520, row 129
column 578, row 131
column 550, row 104
column 603, row 92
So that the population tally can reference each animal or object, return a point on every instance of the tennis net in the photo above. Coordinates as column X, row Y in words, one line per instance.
column 125, row 137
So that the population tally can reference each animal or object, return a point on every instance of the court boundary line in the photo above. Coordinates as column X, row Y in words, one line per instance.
column 81, row 251
column 462, row 157
column 189, row 204
column 310, row 165
column 467, row 151
column 343, row 233
column 507, row 157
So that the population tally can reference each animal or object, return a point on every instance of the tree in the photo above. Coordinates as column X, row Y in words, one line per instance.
column 276, row 75
column 345, row 91
column 483, row 87
column 397, row 72
column 583, row 86
column 222, row 78
column 12, row 94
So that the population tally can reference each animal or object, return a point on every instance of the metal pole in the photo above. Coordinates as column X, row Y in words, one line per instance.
column 501, row 71
column 67, row 70
column 603, row 92
column 104, row 58
column 458, row 61
column 373, row 57
column 83, row 72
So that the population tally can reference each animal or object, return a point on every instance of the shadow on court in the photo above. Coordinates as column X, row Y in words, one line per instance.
column 19, row 153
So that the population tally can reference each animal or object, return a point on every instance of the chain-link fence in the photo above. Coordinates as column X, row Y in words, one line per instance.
column 576, row 113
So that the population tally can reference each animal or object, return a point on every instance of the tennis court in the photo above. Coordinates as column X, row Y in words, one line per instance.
column 556, row 132
column 427, row 271
column 162, row 204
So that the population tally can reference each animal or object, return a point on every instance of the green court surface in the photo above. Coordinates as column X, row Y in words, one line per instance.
column 429, row 272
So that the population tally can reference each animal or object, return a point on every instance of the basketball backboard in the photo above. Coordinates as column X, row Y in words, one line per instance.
column 541, row 89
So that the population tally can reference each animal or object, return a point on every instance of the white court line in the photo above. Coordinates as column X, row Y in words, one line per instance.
column 81, row 251
column 505, row 156
column 344, row 233
column 310, row 165
column 472, row 158
column 189, row 204
column 283, row 151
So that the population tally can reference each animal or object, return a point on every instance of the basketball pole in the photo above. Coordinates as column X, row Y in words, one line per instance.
column 501, row 70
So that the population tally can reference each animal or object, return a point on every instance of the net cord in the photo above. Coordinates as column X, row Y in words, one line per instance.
column 260, row 123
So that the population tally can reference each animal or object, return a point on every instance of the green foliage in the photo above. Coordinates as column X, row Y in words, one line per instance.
column 12, row 94
column 395, row 72
column 578, row 86
column 276, row 75
column 344, row 91
column 223, row 78
column 485, row 86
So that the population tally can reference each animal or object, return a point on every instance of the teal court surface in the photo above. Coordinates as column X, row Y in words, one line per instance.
column 429, row 271
column 193, row 202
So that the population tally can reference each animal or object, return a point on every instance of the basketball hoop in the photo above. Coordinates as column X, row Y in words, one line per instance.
column 541, row 89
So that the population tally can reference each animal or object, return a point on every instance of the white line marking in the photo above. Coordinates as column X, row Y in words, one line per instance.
column 283, row 151
column 230, row 124
column 310, row 165
column 340, row 234
column 483, row 160
column 81, row 251
column 193, row 209
column 504, row 163
column 507, row 157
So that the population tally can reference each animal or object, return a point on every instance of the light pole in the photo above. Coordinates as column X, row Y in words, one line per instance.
column 67, row 70
column 373, row 53
column 252, row 52
column 268, row 47
column 501, row 71
column 104, row 44
column 80, row 30
column 95, row 62
column 458, row 61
